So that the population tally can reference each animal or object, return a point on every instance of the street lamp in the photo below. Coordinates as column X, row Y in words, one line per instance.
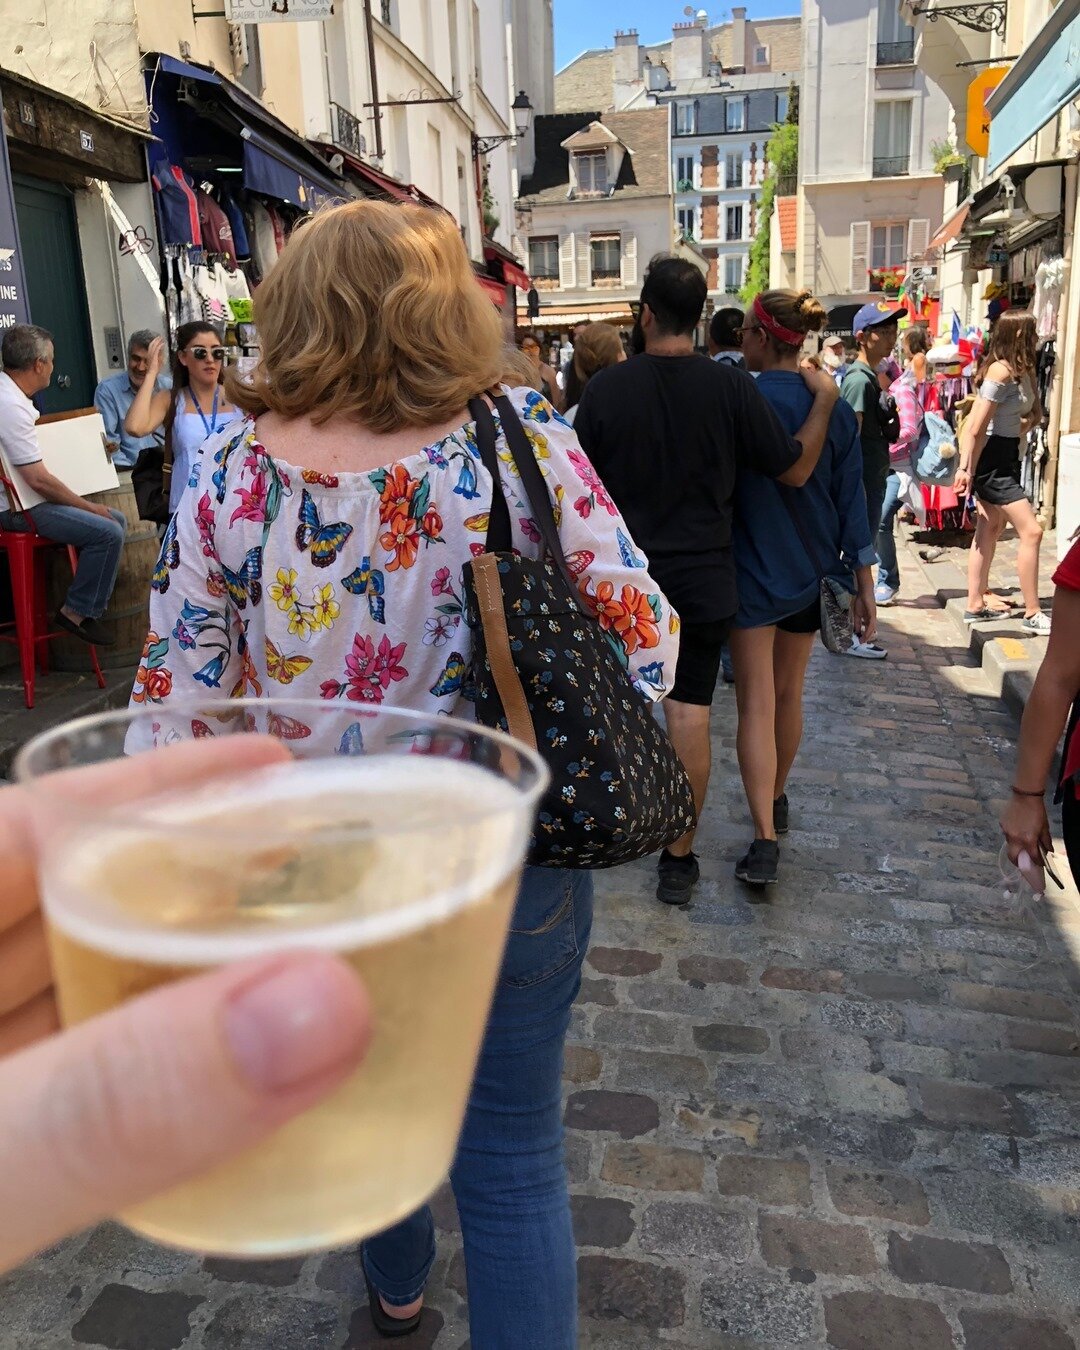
column 523, row 115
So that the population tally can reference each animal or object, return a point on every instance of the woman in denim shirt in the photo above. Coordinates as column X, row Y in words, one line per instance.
column 779, row 580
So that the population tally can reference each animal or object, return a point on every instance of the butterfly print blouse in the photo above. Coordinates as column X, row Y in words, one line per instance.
column 279, row 580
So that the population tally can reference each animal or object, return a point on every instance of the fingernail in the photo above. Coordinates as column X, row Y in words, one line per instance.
column 303, row 1017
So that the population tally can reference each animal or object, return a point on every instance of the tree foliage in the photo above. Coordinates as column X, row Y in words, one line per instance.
column 782, row 157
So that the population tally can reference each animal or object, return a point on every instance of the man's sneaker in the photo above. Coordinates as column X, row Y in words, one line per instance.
column 759, row 866
column 868, row 651
column 676, row 878
column 885, row 595
column 780, row 814
column 983, row 615
column 1037, row 623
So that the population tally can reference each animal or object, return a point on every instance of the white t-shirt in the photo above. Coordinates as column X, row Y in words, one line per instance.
column 18, row 431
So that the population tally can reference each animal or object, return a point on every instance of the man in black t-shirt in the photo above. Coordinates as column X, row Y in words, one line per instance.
column 667, row 432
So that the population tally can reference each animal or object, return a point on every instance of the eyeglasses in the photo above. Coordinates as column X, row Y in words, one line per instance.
column 201, row 353
column 748, row 328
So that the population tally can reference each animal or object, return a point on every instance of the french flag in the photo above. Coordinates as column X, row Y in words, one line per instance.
column 956, row 330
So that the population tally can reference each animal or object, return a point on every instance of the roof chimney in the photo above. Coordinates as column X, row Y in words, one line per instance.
column 739, row 55
column 629, row 64
column 688, row 44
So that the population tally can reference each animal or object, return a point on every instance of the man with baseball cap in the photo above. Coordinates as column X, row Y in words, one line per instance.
column 874, row 328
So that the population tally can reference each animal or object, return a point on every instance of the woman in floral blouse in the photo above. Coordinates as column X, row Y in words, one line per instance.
column 319, row 551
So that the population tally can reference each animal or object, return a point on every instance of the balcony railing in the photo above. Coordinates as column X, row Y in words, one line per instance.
column 347, row 131
column 733, row 180
column 896, row 53
column 894, row 167
column 786, row 185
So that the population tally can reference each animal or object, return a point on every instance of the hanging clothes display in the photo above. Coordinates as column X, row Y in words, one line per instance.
column 236, row 220
column 1049, row 282
column 178, row 205
column 239, row 295
column 217, row 233
column 264, row 249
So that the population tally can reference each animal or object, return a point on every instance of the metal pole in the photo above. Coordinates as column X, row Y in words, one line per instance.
column 369, row 26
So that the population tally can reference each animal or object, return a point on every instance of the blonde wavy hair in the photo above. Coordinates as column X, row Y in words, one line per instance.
column 373, row 312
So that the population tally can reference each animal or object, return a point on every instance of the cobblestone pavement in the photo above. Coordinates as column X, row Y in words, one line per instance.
column 844, row 1118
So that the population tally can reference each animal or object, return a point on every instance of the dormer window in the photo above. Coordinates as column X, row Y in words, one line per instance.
column 592, row 172
column 685, row 119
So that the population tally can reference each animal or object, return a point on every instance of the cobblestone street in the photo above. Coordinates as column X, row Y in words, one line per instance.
column 845, row 1118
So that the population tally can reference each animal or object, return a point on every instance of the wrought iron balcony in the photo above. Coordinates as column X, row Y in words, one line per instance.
column 347, row 131
column 896, row 53
column 894, row 167
column 786, row 185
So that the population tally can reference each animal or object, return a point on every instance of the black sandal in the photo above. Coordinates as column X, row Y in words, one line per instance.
column 383, row 1323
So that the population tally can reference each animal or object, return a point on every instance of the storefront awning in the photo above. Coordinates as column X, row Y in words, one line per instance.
column 951, row 227
column 275, row 160
column 1044, row 78
column 563, row 318
column 496, row 291
column 381, row 182
column 513, row 273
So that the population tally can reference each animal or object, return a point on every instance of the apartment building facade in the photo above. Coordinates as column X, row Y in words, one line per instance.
column 595, row 205
column 868, row 116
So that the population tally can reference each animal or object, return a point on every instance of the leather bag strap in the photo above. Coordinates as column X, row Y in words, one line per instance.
column 489, row 598
column 499, row 538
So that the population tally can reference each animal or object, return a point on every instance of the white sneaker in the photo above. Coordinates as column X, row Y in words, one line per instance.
column 1037, row 623
column 868, row 651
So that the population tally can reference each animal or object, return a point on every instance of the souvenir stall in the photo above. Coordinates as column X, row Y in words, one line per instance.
column 952, row 364
column 230, row 182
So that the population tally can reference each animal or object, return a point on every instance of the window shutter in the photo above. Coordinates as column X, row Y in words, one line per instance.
column 567, row 264
column 918, row 240
column 860, row 255
column 584, row 260
column 628, row 249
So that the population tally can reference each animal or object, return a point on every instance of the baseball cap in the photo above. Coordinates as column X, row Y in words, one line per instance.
column 876, row 313
column 833, row 340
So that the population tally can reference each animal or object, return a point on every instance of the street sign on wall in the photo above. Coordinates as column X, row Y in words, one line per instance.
column 14, row 305
column 277, row 11
column 977, row 131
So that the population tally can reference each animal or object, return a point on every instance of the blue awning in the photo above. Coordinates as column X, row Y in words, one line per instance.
column 276, row 161
column 1045, row 77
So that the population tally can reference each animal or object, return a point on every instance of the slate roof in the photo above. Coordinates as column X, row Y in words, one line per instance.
column 645, row 172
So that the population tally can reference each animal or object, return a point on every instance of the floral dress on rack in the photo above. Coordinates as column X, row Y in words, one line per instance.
column 277, row 580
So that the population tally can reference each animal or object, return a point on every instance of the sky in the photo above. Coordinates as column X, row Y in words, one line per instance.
column 580, row 24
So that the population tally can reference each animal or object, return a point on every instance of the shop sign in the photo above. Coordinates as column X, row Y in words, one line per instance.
column 277, row 11
column 997, row 255
column 977, row 130
column 13, row 304
column 86, row 142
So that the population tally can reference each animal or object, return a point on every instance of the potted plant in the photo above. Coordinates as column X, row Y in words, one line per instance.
column 889, row 280
column 948, row 161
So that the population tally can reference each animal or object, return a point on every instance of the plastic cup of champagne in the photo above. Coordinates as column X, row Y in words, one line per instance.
column 395, row 839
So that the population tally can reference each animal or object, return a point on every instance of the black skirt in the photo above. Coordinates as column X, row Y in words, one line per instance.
column 997, row 474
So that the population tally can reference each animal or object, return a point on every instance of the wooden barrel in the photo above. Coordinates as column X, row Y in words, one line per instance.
column 126, row 617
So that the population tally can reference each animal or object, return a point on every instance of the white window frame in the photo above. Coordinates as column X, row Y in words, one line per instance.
column 888, row 244
column 606, row 238
column 681, row 162
column 550, row 242
column 733, row 261
column 728, row 212
column 761, row 55
column 685, row 119
column 591, row 161
column 891, row 145
column 729, row 104
column 686, row 220
column 781, row 113
column 740, row 158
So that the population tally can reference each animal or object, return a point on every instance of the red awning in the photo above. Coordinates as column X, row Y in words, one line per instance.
column 496, row 291
column 513, row 273
column 950, row 228
column 381, row 182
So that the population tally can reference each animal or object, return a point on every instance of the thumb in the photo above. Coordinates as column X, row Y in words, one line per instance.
column 166, row 1086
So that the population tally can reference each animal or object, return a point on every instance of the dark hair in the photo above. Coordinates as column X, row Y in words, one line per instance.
column 917, row 340
column 524, row 335
column 675, row 291
column 180, row 377
column 1013, row 340
column 23, row 346
column 724, row 327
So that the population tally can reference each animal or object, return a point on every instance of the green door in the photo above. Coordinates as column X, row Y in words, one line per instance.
column 56, row 288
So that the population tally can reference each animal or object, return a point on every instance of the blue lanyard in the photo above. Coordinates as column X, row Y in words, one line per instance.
column 211, row 426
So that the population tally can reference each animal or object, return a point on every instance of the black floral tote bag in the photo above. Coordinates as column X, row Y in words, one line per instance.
column 544, row 670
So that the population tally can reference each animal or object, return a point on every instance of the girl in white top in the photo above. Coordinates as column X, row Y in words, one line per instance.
column 193, row 410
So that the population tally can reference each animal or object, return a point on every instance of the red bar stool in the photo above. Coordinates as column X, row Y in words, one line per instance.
column 26, row 552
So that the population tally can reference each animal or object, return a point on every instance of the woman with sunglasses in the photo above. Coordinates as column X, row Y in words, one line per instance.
column 193, row 409
column 786, row 540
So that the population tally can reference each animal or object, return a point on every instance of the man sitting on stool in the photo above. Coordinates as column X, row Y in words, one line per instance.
column 26, row 354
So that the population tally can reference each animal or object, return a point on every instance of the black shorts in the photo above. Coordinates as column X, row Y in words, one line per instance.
column 807, row 620
column 699, row 661
column 997, row 475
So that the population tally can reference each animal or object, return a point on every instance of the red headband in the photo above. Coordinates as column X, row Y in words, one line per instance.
column 775, row 329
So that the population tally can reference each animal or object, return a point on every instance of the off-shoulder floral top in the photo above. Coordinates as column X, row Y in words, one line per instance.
column 277, row 580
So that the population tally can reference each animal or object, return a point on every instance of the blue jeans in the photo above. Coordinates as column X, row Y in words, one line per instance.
column 889, row 568
column 509, row 1177
column 100, row 544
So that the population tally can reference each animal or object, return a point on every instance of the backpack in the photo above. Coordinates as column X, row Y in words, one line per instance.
column 934, row 460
